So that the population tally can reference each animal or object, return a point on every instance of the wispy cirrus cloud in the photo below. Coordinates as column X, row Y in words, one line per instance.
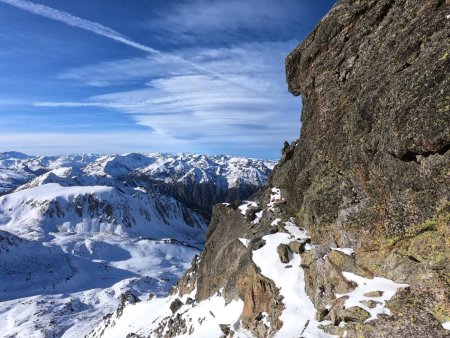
column 180, row 104
column 54, row 143
column 96, row 28
column 71, row 20
column 249, row 20
column 225, row 91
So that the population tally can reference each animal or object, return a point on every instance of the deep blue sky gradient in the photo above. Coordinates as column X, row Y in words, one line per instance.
column 64, row 89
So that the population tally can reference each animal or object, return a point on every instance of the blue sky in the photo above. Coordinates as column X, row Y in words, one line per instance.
column 115, row 76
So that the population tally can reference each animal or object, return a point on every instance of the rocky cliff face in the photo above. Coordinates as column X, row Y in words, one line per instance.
column 370, row 170
column 352, row 238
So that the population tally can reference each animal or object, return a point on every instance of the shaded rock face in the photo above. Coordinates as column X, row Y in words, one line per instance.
column 201, row 197
column 370, row 170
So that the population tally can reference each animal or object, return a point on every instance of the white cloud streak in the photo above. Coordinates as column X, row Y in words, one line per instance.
column 71, row 20
column 96, row 28
column 236, row 99
column 54, row 143
column 203, row 110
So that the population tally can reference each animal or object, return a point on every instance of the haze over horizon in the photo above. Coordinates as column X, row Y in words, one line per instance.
column 115, row 76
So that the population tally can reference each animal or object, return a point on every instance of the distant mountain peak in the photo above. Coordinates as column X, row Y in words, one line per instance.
column 7, row 155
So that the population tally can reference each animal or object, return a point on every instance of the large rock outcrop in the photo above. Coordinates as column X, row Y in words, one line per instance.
column 371, row 169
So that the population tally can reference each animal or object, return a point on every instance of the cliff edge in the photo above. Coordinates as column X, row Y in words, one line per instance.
column 352, row 237
column 371, row 169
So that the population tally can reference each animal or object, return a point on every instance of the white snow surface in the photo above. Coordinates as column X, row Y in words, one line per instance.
column 35, row 212
column 224, row 170
column 446, row 325
column 244, row 241
column 299, row 313
column 275, row 197
column 275, row 222
column 365, row 285
column 64, row 286
column 258, row 218
column 51, row 191
column 347, row 251
column 203, row 318
column 246, row 205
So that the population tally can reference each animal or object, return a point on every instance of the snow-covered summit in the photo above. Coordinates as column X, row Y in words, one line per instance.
column 224, row 170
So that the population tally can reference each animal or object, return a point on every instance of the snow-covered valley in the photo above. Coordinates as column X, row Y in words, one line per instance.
column 77, row 232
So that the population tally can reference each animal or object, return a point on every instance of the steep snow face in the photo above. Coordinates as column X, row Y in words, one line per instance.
column 72, row 250
column 201, row 320
column 299, row 313
column 235, row 171
column 62, row 287
column 17, row 168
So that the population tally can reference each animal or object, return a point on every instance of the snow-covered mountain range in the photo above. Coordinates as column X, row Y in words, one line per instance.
column 77, row 231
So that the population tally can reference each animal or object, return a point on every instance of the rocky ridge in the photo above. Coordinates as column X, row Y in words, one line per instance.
column 352, row 237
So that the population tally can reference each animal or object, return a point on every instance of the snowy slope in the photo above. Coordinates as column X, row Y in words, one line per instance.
column 71, row 251
column 41, row 210
column 227, row 170
column 64, row 286
column 222, row 315
column 78, row 231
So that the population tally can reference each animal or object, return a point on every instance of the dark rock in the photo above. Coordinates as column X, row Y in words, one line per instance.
column 370, row 169
column 133, row 335
column 355, row 314
column 126, row 298
column 284, row 253
column 339, row 313
column 187, row 283
column 176, row 305
column 251, row 213
column 225, row 328
column 257, row 243
column 319, row 251
column 287, row 152
column 370, row 303
column 374, row 294
column 306, row 259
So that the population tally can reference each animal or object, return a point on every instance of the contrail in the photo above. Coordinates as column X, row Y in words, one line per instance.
column 74, row 21
column 96, row 28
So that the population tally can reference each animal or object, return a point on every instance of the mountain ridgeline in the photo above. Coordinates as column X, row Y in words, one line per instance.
column 197, row 181
column 352, row 236
column 78, row 231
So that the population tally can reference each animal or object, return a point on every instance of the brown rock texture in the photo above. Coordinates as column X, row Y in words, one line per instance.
column 371, row 168
column 370, row 172
column 227, row 265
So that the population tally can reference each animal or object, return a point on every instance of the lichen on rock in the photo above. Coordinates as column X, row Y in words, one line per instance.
column 370, row 170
